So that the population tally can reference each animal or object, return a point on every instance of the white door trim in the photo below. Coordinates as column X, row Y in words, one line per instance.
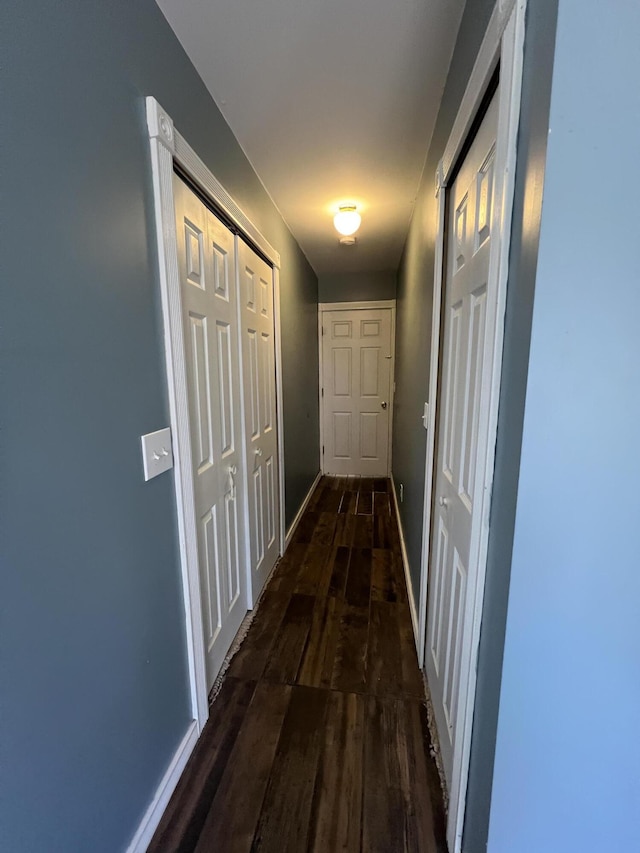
column 358, row 306
column 169, row 147
column 503, row 43
column 279, row 398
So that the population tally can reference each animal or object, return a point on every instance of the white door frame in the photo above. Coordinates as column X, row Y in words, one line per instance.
column 503, row 43
column 169, row 147
column 357, row 306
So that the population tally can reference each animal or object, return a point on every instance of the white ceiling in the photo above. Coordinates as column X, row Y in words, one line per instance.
column 331, row 100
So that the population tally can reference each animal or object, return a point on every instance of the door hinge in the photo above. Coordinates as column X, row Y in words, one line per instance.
column 323, row 449
column 323, row 330
column 322, row 391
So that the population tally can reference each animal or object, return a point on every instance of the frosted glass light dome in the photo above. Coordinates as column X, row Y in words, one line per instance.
column 347, row 220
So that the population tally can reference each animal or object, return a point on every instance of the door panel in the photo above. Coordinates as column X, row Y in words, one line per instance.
column 341, row 435
column 341, row 372
column 232, row 556
column 211, row 571
column 472, row 396
column 452, row 573
column 225, row 379
column 259, row 389
column 268, row 379
column 201, row 411
column 207, row 273
column 369, row 444
column 356, row 365
column 370, row 371
column 271, row 503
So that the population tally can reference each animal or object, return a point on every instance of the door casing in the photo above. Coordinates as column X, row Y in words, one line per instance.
column 168, row 147
column 503, row 46
column 357, row 306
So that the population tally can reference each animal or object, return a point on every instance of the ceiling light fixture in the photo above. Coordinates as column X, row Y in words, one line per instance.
column 347, row 220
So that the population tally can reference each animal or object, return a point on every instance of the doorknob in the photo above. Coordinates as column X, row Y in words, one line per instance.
column 384, row 404
column 443, row 501
column 233, row 470
column 258, row 451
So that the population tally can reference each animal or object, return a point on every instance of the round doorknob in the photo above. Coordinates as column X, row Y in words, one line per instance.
column 258, row 451
column 443, row 501
column 384, row 404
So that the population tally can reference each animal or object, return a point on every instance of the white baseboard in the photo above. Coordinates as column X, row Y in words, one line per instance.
column 300, row 513
column 167, row 786
column 407, row 573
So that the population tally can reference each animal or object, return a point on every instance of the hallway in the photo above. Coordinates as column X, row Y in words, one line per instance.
column 318, row 739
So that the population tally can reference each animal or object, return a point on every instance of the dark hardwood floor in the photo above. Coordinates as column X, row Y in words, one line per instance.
column 318, row 739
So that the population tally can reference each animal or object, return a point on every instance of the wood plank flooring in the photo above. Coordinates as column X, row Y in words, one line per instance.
column 317, row 741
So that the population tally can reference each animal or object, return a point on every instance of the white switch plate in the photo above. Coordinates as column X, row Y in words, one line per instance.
column 157, row 455
column 425, row 416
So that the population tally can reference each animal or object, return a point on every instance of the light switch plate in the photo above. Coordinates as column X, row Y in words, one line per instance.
column 157, row 455
column 425, row 416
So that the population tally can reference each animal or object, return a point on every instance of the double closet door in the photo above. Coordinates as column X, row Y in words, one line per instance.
column 459, row 465
column 227, row 308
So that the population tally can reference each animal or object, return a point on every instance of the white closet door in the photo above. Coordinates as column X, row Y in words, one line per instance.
column 208, row 286
column 459, row 460
column 255, row 290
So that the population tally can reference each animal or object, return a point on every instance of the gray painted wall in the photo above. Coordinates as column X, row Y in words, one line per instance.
column 566, row 769
column 92, row 667
column 415, row 294
column 301, row 372
column 532, row 143
column 357, row 286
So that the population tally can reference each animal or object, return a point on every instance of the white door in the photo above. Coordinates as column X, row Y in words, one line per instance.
column 208, row 288
column 356, row 384
column 259, row 388
column 458, row 473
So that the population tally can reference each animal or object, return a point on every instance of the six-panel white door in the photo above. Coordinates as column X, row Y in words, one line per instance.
column 356, row 383
column 458, row 474
column 208, row 288
column 255, row 288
